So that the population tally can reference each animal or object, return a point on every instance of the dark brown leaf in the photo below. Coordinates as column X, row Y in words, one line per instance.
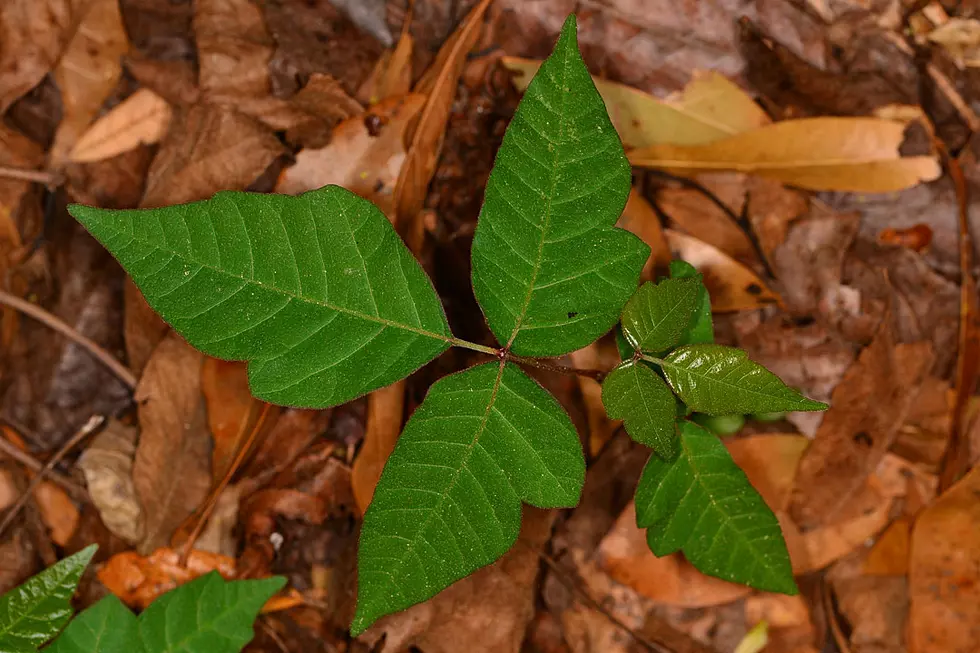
column 32, row 35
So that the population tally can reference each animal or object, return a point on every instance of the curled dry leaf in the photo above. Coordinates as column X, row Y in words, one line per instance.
column 439, row 85
column 867, row 409
column 107, row 464
column 708, row 109
column 208, row 148
column 87, row 72
column 172, row 469
column 140, row 119
column 640, row 218
column 138, row 580
column 392, row 74
column 732, row 286
column 358, row 157
column 844, row 154
column 944, row 571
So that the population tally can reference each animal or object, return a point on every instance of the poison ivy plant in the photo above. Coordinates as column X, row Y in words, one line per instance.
column 325, row 303
column 207, row 615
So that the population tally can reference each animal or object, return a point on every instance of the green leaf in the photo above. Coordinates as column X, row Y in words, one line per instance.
column 207, row 614
column 720, row 380
column 317, row 292
column 550, row 271
column 657, row 316
column 702, row 330
column 635, row 394
column 701, row 503
column 35, row 611
column 106, row 627
column 449, row 499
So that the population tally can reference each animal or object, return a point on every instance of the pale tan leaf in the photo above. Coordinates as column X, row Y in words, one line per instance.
column 107, row 464
column 844, row 154
column 358, row 157
column 87, row 72
column 732, row 286
column 140, row 119
column 710, row 108
column 172, row 468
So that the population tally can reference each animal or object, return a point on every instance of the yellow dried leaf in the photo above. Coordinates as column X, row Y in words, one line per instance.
column 844, row 154
column 142, row 118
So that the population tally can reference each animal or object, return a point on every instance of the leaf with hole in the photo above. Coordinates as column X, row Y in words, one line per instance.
column 658, row 315
column 449, row 499
column 701, row 503
column 34, row 612
column 317, row 292
column 720, row 380
column 635, row 394
column 550, row 270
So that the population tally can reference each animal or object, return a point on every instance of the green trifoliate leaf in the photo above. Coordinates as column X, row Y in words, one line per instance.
column 207, row 614
column 701, row 503
column 635, row 394
column 720, row 380
column 449, row 499
column 702, row 328
column 34, row 612
column 550, row 271
column 658, row 315
column 317, row 292
column 106, row 627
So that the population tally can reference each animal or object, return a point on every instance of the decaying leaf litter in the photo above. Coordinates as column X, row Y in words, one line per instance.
column 815, row 161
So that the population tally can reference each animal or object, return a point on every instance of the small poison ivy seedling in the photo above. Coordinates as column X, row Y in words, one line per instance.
column 325, row 303
column 207, row 615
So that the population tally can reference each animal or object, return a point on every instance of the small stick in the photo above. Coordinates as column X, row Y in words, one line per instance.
column 49, row 179
column 91, row 425
column 33, row 464
column 46, row 318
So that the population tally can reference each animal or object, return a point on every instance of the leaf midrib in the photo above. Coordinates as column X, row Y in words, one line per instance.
column 377, row 319
column 452, row 483
column 519, row 321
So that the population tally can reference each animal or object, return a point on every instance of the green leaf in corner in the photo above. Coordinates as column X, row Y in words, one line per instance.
column 449, row 499
column 635, row 394
column 550, row 270
column 701, row 503
column 106, row 627
column 657, row 316
column 207, row 614
column 720, row 380
column 37, row 610
column 317, row 292
column 702, row 330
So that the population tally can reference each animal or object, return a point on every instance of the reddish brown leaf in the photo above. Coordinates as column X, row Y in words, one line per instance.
column 32, row 35
column 383, row 426
column 229, row 403
column 640, row 218
column 138, row 580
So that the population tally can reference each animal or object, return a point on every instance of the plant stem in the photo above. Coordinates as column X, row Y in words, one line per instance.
column 466, row 344
column 652, row 359
column 596, row 375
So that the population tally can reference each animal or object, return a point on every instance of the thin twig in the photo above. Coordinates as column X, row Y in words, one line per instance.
column 27, row 460
column 46, row 318
column 596, row 375
column 49, row 179
column 91, row 425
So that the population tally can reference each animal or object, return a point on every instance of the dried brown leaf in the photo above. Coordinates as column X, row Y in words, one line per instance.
column 944, row 572
column 207, row 149
column 846, row 154
column 233, row 48
column 385, row 410
column 230, row 407
column 107, row 464
column 140, row 119
column 358, row 157
column 732, row 286
column 138, row 580
column 867, row 409
column 87, row 72
column 172, row 469
column 32, row 35
column 392, row 74
column 692, row 212
column 143, row 328
column 641, row 219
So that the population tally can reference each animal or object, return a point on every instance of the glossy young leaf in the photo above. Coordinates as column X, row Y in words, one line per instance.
column 635, row 394
column 720, row 380
column 449, row 499
column 106, row 627
column 658, row 315
column 35, row 611
column 207, row 614
column 317, row 292
column 550, row 270
column 701, row 503
column 702, row 329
